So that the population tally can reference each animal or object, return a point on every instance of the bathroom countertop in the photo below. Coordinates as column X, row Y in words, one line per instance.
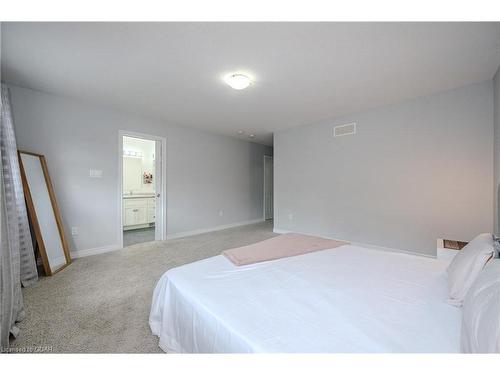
column 145, row 195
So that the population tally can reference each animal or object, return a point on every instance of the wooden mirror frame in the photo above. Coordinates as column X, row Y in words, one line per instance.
column 34, row 219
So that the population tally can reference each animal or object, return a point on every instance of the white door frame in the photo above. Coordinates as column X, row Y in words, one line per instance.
column 163, row 192
column 264, row 189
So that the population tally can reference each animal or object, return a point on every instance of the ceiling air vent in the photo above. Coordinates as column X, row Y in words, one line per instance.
column 347, row 129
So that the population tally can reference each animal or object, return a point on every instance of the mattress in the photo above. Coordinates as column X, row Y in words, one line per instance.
column 348, row 299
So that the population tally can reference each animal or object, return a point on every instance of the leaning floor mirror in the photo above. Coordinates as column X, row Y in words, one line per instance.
column 43, row 212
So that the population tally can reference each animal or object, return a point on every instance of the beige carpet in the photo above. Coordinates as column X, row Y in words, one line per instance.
column 100, row 304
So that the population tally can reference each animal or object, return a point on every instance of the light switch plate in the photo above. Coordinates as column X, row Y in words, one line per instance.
column 96, row 173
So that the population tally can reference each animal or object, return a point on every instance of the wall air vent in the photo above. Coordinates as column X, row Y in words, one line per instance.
column 347, row 129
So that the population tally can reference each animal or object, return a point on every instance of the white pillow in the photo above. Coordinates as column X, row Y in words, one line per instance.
column 481, row 312
column 466, row 265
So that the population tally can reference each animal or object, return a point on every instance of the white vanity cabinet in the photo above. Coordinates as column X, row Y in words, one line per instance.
column 138, row 212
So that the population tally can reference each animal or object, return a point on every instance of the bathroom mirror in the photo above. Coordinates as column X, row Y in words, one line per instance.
column 44, row 212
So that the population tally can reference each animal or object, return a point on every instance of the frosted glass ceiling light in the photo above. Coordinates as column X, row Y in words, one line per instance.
column 238, row 81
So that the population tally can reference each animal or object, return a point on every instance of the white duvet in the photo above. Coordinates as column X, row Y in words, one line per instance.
column 348, row 299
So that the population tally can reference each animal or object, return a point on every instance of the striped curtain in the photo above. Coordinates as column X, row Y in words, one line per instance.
column 17, row 261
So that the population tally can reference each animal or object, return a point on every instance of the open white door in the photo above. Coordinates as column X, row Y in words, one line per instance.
column 159, row 223
column 268, row 187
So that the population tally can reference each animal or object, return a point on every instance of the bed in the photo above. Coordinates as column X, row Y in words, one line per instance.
column 347, row 299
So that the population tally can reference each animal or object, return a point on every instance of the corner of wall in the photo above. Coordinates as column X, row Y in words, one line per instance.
column 496, row 151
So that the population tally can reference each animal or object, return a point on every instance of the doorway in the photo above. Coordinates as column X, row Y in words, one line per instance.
column 142, row 188
column 268, row 188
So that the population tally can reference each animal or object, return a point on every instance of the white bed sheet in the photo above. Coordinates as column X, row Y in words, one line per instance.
column 348, row 299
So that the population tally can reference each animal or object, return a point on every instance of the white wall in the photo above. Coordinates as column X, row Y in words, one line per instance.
column 496, row 89
column 414, row 172
column 206, row 173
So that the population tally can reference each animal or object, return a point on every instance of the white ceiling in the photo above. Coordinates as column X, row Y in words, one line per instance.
column 304, row 72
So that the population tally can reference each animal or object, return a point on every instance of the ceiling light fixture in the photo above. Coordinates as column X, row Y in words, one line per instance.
column 240, row 132
column 238, row 81
column 251, row 136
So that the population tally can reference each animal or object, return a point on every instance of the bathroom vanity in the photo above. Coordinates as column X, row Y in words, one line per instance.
column 138, row 211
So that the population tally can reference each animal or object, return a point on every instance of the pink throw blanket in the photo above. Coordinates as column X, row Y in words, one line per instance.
column 283, row 246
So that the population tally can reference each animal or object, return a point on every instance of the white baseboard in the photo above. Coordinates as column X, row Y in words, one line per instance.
column 94, row 251
column 281, row 231
column 360, row 244
column 212, row 229
column 106, row 249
